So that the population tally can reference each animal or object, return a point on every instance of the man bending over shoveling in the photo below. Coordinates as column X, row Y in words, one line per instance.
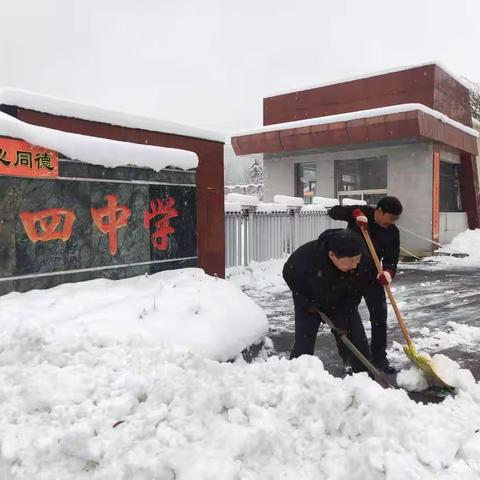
column 380, row 223
column 328, row 274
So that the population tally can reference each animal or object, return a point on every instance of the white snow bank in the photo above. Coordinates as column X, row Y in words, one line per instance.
column 290, row 201
column 246, row 200
column 182, row 307
column 58, row 106
column 98, row 151
column 467, row 242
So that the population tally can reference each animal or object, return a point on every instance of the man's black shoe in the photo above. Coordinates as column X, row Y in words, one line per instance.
column 385, row 367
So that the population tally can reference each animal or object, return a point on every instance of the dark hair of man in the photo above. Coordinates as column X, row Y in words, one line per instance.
column 345, row 243
column 390, row 205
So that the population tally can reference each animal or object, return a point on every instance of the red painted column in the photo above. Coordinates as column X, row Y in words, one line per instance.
column 436, row 197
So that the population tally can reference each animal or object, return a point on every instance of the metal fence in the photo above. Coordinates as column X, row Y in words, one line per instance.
column 260, row 236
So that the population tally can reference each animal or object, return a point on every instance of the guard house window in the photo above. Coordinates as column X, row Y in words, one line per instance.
column 450, row 188
column 306, row 175
column 362, row 179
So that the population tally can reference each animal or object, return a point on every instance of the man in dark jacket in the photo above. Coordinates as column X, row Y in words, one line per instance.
column 328, row 274
column 380, row 223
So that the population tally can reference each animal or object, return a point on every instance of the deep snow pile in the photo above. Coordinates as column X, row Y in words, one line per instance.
column 468, row 243
column 90, row 391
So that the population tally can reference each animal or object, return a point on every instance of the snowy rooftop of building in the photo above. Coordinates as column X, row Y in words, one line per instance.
column 58, row 106
column 369, row 75
column 344, row 117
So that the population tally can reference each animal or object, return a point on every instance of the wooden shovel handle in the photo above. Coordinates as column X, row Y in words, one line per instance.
column 393, row 302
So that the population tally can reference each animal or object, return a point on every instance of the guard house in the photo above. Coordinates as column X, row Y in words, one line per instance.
column 66, row 217
column 406, row 133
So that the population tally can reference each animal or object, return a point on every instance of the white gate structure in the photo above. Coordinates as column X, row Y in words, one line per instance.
column 262, row 233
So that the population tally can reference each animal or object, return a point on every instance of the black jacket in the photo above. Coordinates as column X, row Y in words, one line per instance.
column 385, row 240
column 316, row 282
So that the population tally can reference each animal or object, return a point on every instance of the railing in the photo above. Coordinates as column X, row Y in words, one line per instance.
column 258, row 235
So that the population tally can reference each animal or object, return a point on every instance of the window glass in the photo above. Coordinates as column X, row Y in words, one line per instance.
column 449, row 188
column 306, row 180
column 362, row 174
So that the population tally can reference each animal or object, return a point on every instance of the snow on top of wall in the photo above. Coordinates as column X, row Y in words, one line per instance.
column 370, row 75
column 373, row 112
column 290, row 201
column 314, row 208
column 233, row 207
column 58, row 106
column 271, row 208
column 325, row 202
column 353, row 201
column 246, row 200
column 98, row 151
column 476, row 123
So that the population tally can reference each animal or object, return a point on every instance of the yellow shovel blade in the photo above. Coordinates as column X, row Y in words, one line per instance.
column 425, row 364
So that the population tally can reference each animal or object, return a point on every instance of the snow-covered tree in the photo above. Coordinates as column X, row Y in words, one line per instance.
column 474, row 89
column 475, row 102
column 255, row 173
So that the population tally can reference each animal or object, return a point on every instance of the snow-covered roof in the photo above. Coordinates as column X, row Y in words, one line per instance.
column 369, row 75
column 373, row 112
column 58, row 106
column 98, row 151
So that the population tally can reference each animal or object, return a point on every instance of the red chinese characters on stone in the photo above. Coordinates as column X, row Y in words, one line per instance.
column 46, row 225
column 109, row 219
column 166, row 211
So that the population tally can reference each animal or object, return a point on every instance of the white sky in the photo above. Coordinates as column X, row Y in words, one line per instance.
column 209, row 63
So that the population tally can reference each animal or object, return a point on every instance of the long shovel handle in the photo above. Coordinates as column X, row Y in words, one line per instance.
column 393, row 302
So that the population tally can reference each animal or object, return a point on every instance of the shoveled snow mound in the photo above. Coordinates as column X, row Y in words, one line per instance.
column 467, row 243
column 184, row 307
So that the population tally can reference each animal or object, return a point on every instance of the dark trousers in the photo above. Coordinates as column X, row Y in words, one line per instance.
column 377, row 306
column 306, row 328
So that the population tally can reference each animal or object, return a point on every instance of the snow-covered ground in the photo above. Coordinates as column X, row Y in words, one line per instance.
column 120, row 380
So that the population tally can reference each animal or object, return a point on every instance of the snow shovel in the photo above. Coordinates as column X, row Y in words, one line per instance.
column 378, row 377
column 421, row 361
